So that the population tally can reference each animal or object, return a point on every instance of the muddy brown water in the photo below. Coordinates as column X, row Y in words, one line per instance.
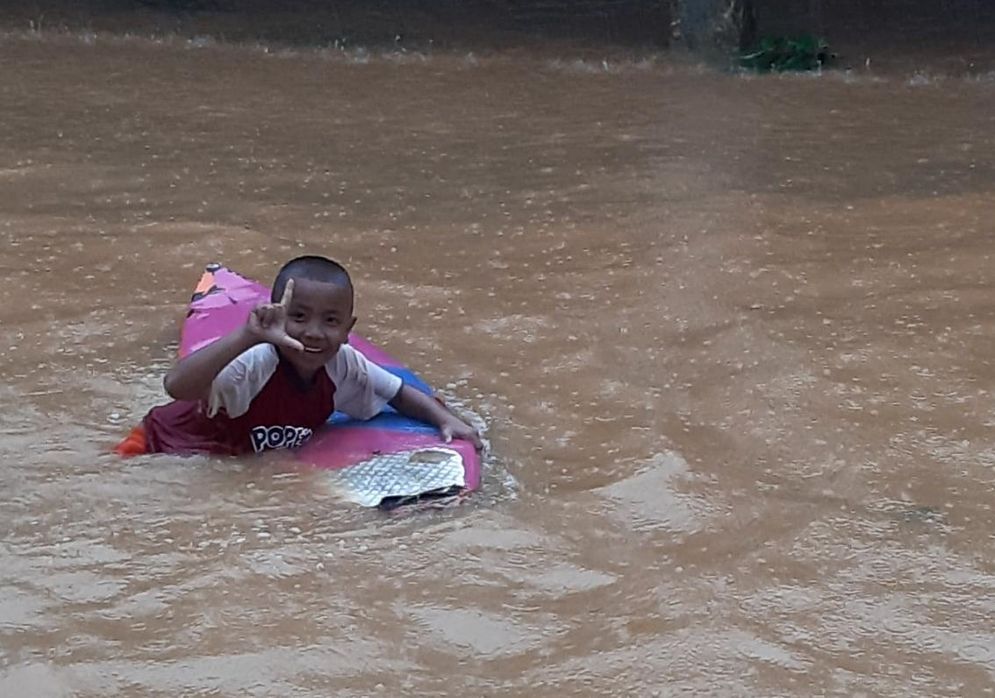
column 731, row 338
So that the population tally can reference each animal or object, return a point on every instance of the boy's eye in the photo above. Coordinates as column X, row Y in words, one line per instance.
column 332, row 321
column 296, row 315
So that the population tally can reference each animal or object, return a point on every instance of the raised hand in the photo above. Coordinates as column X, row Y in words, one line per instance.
column 268, row 322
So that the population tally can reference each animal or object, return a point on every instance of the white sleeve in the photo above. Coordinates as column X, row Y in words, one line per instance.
column 362, row 389
column 238, row 383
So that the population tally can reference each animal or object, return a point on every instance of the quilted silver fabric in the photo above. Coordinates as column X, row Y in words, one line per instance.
column 403, row 474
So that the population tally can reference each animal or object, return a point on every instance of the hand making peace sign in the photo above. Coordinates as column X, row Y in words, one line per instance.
column 268, row 321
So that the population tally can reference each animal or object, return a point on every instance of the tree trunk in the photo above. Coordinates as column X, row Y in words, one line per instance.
column 715, row 27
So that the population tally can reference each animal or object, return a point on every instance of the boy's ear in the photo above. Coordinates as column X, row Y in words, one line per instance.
column 352, row 323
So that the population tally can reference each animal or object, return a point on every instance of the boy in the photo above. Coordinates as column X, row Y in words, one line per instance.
column 281, row 374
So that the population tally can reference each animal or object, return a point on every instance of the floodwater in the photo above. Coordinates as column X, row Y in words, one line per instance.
column 731, row 338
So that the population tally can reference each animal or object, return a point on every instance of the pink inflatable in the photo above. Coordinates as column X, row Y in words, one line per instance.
column 222, row 302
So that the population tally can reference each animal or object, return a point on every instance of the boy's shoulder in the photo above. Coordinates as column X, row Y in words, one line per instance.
column 349, row 362
column 343, row 365
column 238, row 383
column 262, row 357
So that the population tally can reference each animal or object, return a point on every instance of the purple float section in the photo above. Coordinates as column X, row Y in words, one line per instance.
column 225, row 308
column 218, row 312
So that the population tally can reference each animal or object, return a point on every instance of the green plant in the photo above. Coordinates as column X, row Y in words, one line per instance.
column 779, row 54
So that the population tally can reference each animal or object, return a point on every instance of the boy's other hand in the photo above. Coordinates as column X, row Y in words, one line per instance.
column 455, row 428
column 268, row 322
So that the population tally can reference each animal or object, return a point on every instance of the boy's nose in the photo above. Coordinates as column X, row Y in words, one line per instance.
column 312, row 331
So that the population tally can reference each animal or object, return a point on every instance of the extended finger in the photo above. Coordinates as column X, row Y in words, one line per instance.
column 288, row 293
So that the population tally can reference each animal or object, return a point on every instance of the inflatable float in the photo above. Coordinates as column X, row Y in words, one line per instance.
column 385, row 461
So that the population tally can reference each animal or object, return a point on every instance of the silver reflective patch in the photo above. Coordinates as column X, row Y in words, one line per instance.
column 403, row 474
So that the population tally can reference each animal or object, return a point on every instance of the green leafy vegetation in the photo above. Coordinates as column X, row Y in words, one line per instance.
column 780, row 54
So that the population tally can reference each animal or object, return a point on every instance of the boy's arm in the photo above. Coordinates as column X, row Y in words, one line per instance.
column 415, row 404
column 191, row 377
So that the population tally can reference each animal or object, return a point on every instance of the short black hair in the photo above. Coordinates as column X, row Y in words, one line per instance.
column 313, row 268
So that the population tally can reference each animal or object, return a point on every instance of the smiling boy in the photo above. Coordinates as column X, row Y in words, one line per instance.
column 273, row 381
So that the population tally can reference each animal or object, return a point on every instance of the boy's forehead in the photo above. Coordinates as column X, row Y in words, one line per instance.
column 321, row 290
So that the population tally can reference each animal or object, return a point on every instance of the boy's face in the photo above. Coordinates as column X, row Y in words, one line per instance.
column 319, row 316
